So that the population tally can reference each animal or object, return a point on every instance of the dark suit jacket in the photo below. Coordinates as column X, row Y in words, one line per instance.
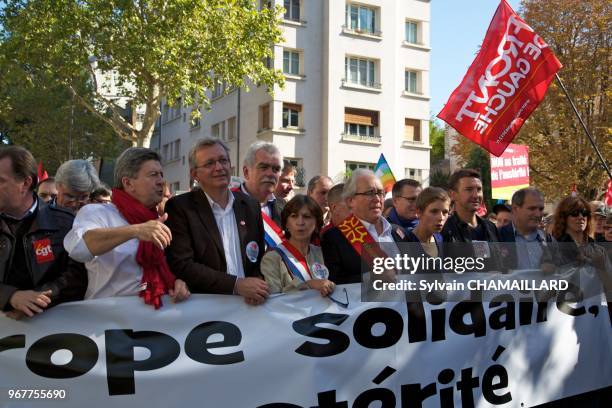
column 343, row 262
column 196, row 253
column 510, row 254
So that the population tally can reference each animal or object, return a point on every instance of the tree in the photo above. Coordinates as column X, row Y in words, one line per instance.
column 436, row 140
column 45, row 121
column 138, row 52
column 579, row 33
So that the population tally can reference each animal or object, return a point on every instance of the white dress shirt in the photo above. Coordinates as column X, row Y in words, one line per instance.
column 265, row 207
column 389, row 246
column 115, row 273
column 228, row 229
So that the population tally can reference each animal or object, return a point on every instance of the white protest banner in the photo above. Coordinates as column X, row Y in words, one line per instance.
column 301, row 350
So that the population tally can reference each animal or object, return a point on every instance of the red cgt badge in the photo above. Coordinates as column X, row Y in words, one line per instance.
column 43, row 251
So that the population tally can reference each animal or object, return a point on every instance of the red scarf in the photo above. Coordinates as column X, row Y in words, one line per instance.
column 156, row 275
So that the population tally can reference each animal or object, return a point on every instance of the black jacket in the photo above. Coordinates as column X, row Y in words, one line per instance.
column 550, row 247
column 196, row 253
column 54, row 270
column 457, row 231
column 343, row 262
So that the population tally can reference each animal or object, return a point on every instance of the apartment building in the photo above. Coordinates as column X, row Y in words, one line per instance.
column 357, row 85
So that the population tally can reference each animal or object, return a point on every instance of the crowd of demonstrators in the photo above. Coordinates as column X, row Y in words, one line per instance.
column 122, row 243
column 342, row 244
column 101, row 194
column 286, row 182
column 433, row 206
column 318, row 190
column 47, row 191
column 404, row 211
column 36, row 272
column 338, row 210
column 533, row 246
column 261, row 170
column 502, row 215
column 301, row 219
column 250, row 241
column 218, row 235
column 75, row 181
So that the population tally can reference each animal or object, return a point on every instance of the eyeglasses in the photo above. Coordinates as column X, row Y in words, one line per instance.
column 409, row 199
column 224, row 162
column 372, row 193
column 584, row 212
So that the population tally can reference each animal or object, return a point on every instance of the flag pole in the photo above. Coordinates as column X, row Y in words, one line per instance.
column 603, row 162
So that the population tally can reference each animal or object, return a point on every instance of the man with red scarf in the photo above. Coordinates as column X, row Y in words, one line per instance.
column 122, row 243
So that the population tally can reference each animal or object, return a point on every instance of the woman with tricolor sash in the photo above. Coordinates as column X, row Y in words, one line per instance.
column 296, row 264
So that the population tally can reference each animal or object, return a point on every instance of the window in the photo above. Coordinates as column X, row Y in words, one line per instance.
column 411, row 32
column 300, row 172
column 231, row 128
column 292, row 10
column 361, row 18
column 361, row 124
column 410, row 82
column 352, row 166
column 218, row 90
column 174, row 187
column 291, row 115
column 264, row 117
column 412, row 130
column 360, row 71
column 215, row 130
column 166, row 152
column 176, row 151
column 415, row 174
column 291, row 62
column 194, row 123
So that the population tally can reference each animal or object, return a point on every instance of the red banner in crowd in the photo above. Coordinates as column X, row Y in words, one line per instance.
column 505, row 83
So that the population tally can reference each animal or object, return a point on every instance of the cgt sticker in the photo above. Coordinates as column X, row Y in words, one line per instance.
column 43, row 251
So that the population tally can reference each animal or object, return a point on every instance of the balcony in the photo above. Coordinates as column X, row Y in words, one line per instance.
column 349, row 137
column 370, row 86
column 358, row 32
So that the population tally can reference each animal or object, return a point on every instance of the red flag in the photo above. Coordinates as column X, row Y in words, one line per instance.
column 608, row 199
column 505, row 83
column 42, row 174
column 574, row 192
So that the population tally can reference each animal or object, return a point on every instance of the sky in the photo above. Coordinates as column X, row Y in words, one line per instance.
column 457, row 29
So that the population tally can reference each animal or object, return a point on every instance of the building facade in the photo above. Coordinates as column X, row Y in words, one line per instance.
column 357, row 85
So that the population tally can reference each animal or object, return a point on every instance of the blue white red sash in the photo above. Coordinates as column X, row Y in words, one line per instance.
column 272, row 232
column 295, row 261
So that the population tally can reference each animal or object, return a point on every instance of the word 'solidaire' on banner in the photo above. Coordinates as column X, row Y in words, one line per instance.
column 505, row 83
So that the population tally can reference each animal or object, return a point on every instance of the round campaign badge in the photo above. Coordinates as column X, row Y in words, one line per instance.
column 252, row 250
column 319, row 271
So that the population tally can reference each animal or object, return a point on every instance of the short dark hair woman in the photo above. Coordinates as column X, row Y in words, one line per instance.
column 296, row 263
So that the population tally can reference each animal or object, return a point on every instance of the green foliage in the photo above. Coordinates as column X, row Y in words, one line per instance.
column 436, row 139
column 149, row 50
column 47, row 122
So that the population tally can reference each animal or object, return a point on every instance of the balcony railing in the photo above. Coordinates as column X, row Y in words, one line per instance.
column 368, row 84
column 361, row 31
column 361, row 138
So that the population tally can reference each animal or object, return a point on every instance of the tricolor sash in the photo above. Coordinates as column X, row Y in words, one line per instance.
column 294, row 260
column 273, row 235
column 358, row 236
column 272, row 232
